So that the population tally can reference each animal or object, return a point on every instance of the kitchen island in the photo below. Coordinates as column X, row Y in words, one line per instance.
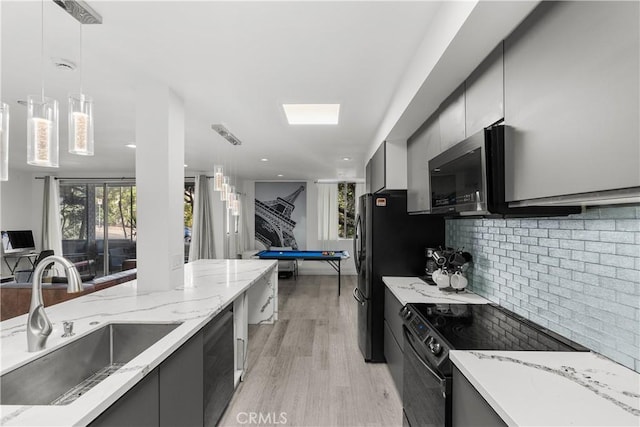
column 209, row 287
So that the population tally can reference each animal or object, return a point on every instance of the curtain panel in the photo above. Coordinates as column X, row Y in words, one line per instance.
column 327, row 212
column 202, row 236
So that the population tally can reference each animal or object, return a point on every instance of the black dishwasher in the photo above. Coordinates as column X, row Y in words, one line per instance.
column 218, row 366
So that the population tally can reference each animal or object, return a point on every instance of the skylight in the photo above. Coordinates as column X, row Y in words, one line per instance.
column 312, row 114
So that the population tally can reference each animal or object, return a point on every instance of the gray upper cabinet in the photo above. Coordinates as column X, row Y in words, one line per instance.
column 484, row 95
column 452, row 119
column 376, row 170
column 571, row 94
column 422, row 146
column 387, row 169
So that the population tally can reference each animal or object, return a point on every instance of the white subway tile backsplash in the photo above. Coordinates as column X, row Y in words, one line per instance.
column 572, row 224
column 572, row 244
column 616, row 237
column 607, row 225
column 586, row 234
column 577, row 275
column 541, row 232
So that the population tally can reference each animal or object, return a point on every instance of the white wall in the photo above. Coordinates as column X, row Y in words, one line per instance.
column 21, row 206
column 305, row 267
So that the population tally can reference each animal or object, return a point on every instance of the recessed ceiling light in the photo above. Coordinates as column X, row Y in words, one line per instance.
column 312, row 114
column 280, row 175
column 186, row 166
column 264, row 160
column 346, row 159
column 130, row 145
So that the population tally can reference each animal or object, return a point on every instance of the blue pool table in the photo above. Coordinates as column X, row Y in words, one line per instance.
column 333, row 258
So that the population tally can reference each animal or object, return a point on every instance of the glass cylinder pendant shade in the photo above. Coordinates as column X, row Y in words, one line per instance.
column 4, row 142
column 235, row 207
column 81, row 125
column 42, row 131
column 224, row 193
column 217, row 178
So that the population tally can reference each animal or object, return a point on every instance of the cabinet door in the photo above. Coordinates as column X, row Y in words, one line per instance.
column 421, row 147
column 571, row 94
column 452, row 120
column 378, row 169
column 218, row 367
column 395, row 358
column 392, row 308
column 138, row 407
column 484, row 94
column 468, row 407
column 181, row 385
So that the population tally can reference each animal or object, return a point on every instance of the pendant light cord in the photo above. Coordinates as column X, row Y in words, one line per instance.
column 81, row 65
column 42, row 47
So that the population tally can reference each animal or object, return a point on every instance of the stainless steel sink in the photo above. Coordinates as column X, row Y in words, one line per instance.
column 60, row 377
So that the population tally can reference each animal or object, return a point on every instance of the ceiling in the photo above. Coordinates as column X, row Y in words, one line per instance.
column 233, row 63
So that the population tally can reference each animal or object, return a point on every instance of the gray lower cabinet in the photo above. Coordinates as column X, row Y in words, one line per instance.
column 468, row 407
column 190, row 388
column 138, row 407
column 393, row 339
column 180, row 385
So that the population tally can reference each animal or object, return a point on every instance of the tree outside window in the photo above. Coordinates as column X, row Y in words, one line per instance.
column 346, row 210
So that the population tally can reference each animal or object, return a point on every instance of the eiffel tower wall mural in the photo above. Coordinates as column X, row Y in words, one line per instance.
column 281, row 214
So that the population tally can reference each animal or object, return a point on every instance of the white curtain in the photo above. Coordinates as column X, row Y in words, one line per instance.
column 51, row 238
column 202, row 241
column 327, row 212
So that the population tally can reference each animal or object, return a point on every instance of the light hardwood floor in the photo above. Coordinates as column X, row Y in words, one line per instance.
column 307, row 370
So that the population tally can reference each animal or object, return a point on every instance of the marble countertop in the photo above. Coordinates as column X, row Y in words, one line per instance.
column 209, row 286
column 553, row 388
column 415, row 290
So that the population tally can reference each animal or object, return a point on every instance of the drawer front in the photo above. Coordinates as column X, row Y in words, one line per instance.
column 391, row 314
column 395, row 358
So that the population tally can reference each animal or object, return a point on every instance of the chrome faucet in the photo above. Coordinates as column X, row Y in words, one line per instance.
column 38, row 324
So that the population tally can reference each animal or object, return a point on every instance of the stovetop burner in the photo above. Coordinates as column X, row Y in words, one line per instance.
column 489, row 327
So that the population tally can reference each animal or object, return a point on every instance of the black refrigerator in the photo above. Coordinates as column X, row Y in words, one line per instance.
column 388, row 242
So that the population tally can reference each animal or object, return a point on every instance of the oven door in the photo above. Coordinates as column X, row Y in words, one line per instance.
column 426, row 397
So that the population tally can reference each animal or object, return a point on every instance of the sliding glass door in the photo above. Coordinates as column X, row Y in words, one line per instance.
column 99, row 224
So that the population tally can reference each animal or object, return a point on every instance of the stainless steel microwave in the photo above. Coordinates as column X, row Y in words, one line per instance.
column 468, row 179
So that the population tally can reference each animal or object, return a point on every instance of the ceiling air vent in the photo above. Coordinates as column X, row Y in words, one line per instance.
column 224, row 132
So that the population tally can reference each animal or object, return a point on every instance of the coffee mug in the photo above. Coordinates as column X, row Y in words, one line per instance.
column 441, row 277
column 458, row 281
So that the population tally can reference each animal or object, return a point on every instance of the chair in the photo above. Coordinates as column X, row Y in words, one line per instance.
column 42, row 255
column 286, row 266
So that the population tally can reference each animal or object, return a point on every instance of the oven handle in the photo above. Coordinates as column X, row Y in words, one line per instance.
column 441, row 381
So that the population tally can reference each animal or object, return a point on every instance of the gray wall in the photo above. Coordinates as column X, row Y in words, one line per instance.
column 578, row 276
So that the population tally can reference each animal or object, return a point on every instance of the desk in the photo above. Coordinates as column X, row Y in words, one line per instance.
column 333, row 258
column 19, row 256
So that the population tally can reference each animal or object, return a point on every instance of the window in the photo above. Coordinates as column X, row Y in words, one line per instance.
column 346, row 210
column 98, row 222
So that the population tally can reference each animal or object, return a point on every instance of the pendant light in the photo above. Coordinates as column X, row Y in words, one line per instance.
column 4, row 142
column 218, row 176
column 224, row 194
column 42, row 121
column 80, row 118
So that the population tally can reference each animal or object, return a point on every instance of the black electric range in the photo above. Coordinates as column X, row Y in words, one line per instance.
column 432, row 330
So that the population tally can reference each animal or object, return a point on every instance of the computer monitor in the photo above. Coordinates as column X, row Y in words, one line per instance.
column 17, row 241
